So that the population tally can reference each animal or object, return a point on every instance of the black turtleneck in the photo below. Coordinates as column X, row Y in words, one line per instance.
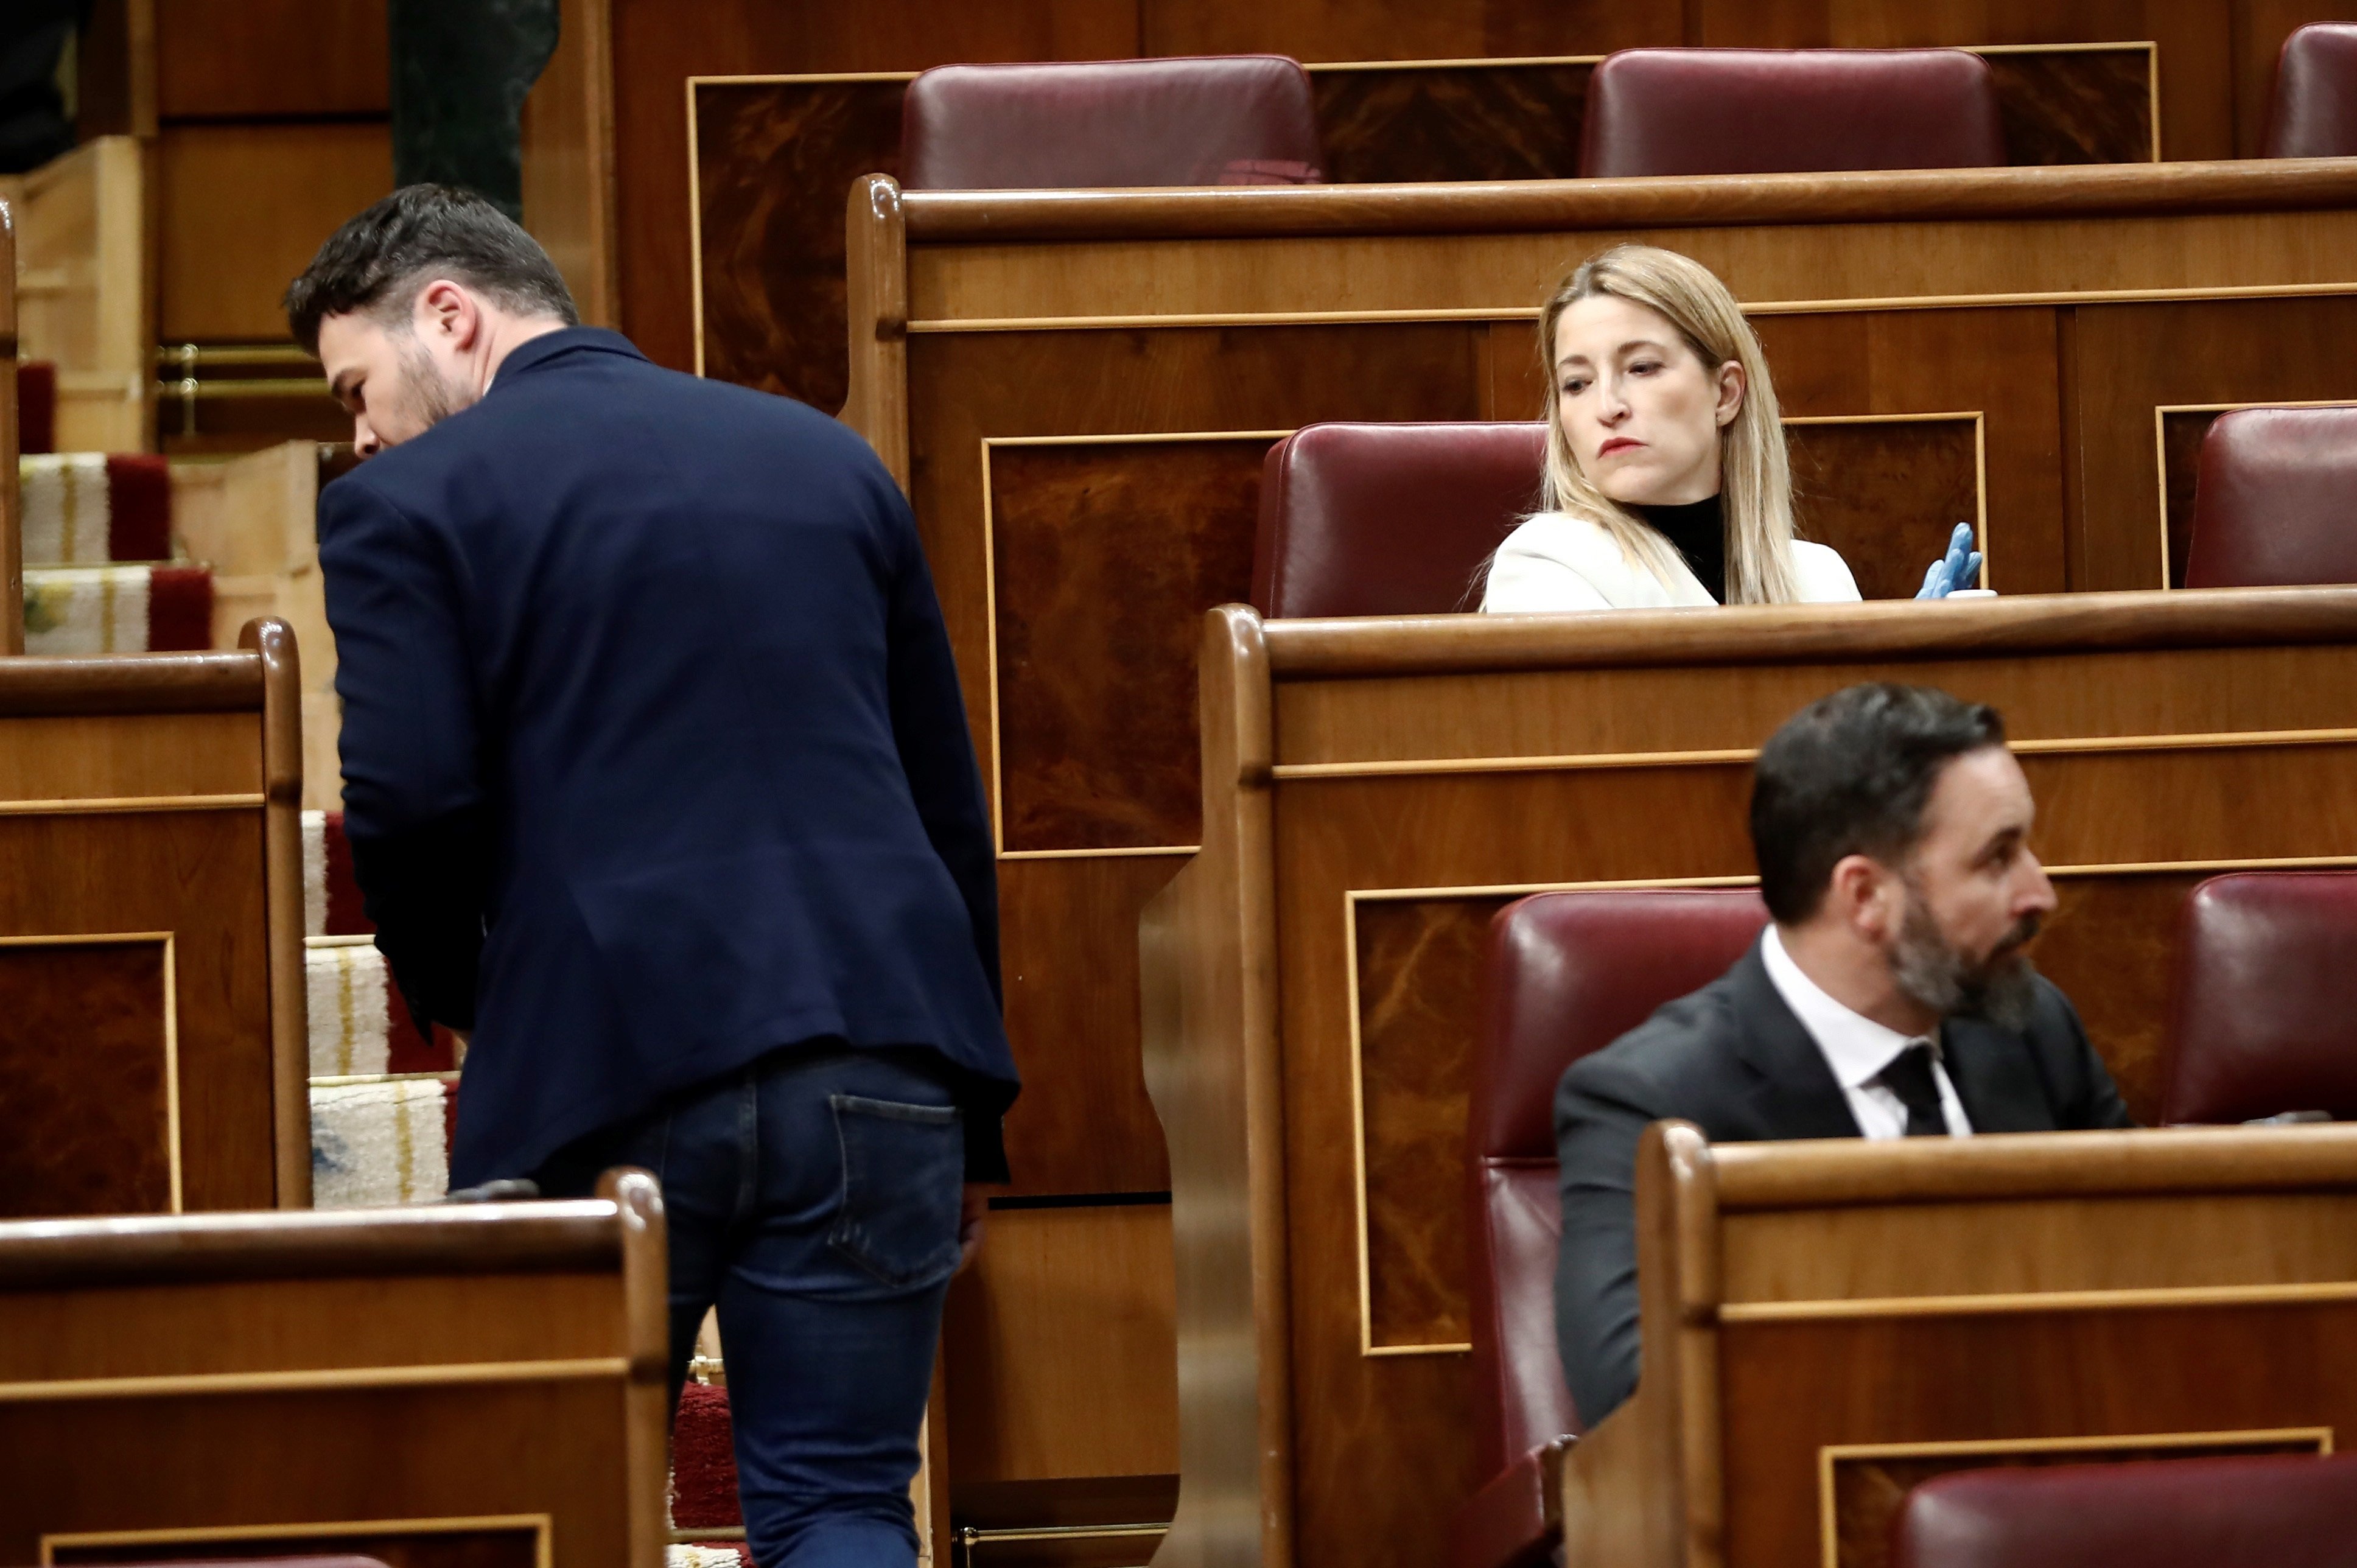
column 1699, row 532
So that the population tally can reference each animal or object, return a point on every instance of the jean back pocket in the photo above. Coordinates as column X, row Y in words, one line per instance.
column 903, row 1175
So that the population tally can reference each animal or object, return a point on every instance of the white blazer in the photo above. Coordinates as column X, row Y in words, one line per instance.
column 1557, row 561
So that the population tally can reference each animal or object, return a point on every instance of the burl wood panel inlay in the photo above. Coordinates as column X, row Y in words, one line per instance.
column 774, row 161
column 1105, row 555
column 2180, row 437
column 1458, row 122
column 1870, row 1490
column 2111, row 947
column 2075, row 106
column 1885, row 494
column 85, row 1084
column 485, row 1546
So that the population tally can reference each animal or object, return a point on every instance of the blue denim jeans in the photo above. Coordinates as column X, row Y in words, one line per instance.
column 813, row 1198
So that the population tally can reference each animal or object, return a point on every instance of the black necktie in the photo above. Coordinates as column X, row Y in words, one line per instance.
column 1908, row 1076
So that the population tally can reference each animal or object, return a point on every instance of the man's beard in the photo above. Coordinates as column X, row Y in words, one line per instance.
column 428, row 398
column 2001, row 987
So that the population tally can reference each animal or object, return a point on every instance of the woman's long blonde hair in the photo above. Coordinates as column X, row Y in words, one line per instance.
column 1755, row 479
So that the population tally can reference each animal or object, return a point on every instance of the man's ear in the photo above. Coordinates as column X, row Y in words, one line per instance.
column 445, row 308
column 1859, row 892
column 1731, row 386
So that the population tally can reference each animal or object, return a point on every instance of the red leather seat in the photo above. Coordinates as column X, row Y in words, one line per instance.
column 2275, row 500
column 1215, row 119
column 2267, row 987
column 1569, row 973
column 1388, row 520
column 2278, row 1511
column 2312, row 112
column 1660, row 111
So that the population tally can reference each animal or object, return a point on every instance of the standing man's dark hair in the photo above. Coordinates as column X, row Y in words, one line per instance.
column 1850, row 774
column 658, row 779
column 379, row 260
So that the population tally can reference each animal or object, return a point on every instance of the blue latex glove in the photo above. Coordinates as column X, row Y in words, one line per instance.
column 1959, row 568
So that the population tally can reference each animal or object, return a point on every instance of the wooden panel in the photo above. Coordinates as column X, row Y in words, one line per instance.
column 657, row 46
column 1885, row 494
column 1869, row 1491
column 568, row 158
column 244, row 208
column 1472, row 121
column 1067, row 941
column 2134, row 360
column 86, row 1080
column 253, row 59
column 1059, row 1343
column 461, row 1546
column 1118, row 548
column 2179, row 434
column 2076, row 106
column 2066, row 1375
column 194, row 874
column 771, row 167
column 51, row 758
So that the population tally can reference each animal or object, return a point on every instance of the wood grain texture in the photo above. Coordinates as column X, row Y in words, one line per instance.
column 1101, row 752
column 1885, row 495
column 771, row 167
column 568, row 159
column 12, row 533
column 500, row 1340
column 515, row 1546
column 1068, row 948
column 2180, row 434
column 272, row 642
column 1468, row 121
column 85, row 1118
column 2134, row 360
column 2081, row 107
column 264, row 59
column 1058, row 1342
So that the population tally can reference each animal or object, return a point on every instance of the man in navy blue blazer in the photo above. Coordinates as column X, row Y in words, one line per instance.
column 658, row 781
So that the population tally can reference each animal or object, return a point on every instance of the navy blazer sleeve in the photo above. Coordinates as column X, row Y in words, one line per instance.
column 1600, row 1115
column 413, row 800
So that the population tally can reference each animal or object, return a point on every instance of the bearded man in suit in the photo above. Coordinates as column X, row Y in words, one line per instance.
column 1890, row 997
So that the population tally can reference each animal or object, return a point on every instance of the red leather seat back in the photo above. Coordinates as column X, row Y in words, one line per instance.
column 1661, row 111
column 1388, row 520
column 2278, row 1511
column 2275, row 500
column 2267, row 994
column 1569, row 973
column 1215, row 119
column 2312, row 112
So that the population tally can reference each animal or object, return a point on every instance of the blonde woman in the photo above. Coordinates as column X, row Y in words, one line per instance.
column 1666, row 481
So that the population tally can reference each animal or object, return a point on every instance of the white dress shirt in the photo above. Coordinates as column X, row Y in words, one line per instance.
column 1857, row 1048
column 1557, row 561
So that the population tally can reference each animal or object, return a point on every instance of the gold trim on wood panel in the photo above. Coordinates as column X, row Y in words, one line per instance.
column 540, row 1524
column 1828, row 1456
column 2160, row 413
column 2011, row 1304
column 199, row 1385
column 1587, row 761
column 170, row 1010
column 1531, row 313
column 1353, row 897
column 98, row 805
column 695, row 226
column 990, row 623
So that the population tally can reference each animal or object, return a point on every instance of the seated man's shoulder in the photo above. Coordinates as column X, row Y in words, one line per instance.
column 1685, row 1042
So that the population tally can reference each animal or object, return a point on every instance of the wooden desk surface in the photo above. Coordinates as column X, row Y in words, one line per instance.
column 1829, row 1324
column 1373, row 792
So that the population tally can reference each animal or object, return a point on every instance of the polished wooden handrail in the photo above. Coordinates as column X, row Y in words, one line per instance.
column 1897, row 628
column 2033, row 1165
column 132, row 683
column 2090, row 191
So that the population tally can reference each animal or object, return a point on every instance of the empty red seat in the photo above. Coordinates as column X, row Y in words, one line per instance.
column 1214, row 120
column 2278, row 1511
column 2312, row 112
column 2267, row 986
column 1663, row 111
column 2275, row 500
column 1568, row 975
column 1369, row 519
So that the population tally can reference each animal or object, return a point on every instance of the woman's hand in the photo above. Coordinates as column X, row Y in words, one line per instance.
column 1959, row 568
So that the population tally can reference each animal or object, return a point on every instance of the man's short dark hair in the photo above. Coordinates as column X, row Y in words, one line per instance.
column 1851, row 774
column 380, row 258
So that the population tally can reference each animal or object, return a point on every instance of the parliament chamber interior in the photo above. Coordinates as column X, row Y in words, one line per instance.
column 1217, row 351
